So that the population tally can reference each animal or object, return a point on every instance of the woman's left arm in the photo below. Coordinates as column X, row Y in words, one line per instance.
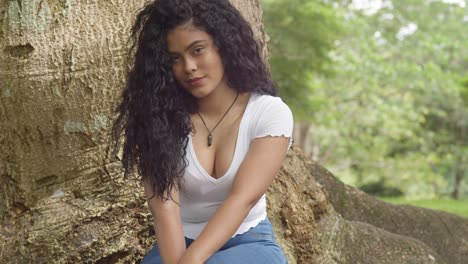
column 256, row 173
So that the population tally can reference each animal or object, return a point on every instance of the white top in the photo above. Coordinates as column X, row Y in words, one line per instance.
column 201, row 194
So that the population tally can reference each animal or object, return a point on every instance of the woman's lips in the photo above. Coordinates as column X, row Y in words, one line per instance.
column 195, row 81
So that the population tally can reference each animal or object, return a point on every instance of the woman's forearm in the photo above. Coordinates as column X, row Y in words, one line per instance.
column 219, row 229
column 167, row 224
column 170, row 237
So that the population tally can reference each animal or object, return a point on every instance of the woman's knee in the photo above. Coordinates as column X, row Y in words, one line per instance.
column 249, row 254
column 152, row 257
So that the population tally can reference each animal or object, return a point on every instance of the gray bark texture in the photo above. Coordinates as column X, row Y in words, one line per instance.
column 62, row 196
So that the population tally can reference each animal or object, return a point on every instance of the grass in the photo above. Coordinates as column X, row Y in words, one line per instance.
column 458, row 207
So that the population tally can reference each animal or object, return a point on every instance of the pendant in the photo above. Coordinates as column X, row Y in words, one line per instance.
column 210, row 140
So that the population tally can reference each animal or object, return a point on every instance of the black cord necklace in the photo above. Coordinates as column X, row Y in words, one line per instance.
column 210, row 136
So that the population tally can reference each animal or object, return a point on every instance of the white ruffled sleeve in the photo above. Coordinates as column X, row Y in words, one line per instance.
column 275, row 120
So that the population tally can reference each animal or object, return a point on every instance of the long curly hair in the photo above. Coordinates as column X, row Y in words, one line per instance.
column 154, row 112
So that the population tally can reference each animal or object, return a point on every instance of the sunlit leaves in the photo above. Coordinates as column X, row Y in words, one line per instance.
column 395, row 107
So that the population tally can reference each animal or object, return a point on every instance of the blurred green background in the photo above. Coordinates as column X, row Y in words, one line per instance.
column 380, row 92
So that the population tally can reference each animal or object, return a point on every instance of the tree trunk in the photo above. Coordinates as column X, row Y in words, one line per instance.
column 459, row 174
column 301, row 136
column 62, row 196
column 61, row 69
column 444, row 233
column 460, row 165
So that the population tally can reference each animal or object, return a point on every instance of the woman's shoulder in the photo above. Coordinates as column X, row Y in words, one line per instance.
column 270, row 116
column 268, row 107
column 260, row 101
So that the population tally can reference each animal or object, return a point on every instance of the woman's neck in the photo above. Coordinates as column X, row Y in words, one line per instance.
column 216, row 102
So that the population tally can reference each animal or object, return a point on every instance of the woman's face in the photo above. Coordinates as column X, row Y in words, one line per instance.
column 196, row 62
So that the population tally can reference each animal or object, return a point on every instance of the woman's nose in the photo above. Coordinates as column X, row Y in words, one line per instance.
column 190, row 65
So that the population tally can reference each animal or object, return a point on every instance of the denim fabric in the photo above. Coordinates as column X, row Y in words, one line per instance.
column 256, row 246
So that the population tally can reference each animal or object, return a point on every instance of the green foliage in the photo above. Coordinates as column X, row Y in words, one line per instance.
column 385, row 106
column 301, row 34
column 459, row 207
column 464, row 90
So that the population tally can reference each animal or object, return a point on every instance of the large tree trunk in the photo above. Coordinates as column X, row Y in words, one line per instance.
column 61, row 69
column 321, row 220
column 444, row 233
column 63, row 199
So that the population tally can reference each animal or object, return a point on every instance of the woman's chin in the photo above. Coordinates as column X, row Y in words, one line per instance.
column 199, row 93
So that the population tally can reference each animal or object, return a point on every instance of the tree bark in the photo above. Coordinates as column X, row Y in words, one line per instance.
column 444, row 233
column 63, row 199
column 61, row 69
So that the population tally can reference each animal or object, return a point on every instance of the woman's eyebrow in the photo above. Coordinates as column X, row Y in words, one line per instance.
column 196, row 42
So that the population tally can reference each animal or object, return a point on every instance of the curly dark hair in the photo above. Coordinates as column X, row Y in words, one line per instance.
column 154, row 112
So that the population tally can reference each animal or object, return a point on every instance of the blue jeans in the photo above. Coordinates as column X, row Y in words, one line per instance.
column 256, row 246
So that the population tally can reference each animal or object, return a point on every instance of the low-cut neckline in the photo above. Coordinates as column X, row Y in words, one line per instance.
column 198, row 164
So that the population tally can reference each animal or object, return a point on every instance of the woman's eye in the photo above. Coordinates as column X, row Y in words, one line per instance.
column 174, row 59
column 198, row 50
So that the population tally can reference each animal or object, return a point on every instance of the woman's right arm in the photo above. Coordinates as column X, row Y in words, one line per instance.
column 167, row 225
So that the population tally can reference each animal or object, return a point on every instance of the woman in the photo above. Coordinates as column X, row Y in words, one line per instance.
column 201, row 123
